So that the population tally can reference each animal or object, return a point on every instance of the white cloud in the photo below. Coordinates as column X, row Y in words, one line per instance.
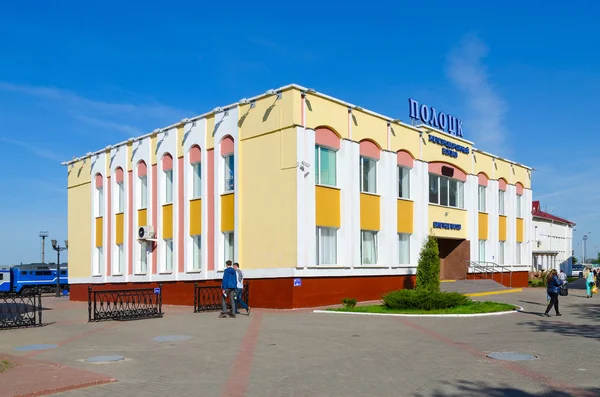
column 38, row 151
column 129, row 130
column 485, row 108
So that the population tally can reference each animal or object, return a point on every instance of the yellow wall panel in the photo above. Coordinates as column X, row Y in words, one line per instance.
column 366, row 126
column 267, row 205
column 152, row 150
column 483, row 163
column 210, row 129
column 369, row 212
column 119, row 228
column 455, row 216
column 522, row 175
column 99, row 232
column 503, row 170
column 404, row 138
column 167, row 221
column 228, row 212
column 142, row 217
column 502, row 228
column 107, row 163
column 405, row 216
column 323, row 112
column 80, row 230
column 196, row 217
column 129, row 157
column 80, row 173
column 520, row 230
column 180, row 134
column 483, row 226
column 270, row 115
column 433, row 152
column 327, row 203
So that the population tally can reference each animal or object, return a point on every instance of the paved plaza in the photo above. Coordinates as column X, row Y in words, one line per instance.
column 300, row 353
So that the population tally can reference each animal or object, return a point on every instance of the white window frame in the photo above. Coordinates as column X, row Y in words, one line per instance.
column 501, row 252
column 320, row 231
column 370, row 261
column 143, row 268
column 100, row 201
column 318, row 171
column 168, row 256
column 460, row 187
column 501, row 202
column 143, row 203
column 229, row 183
column 120, row 260
column 482, row 244
column 403, row 188
column 168, row 196
column 98, row 261
column 403, row 238
column 228, row 247
column 196, row 180
column 481, row 198
column 197, row 252
column 519, row 253
column 365, row 189
column 519, row 206
column 121, row 197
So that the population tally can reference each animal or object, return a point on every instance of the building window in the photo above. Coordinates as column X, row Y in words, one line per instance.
column 229, row 246
column 445, row 191
column 501, row 202
column 518, row 258
column 481, row 198
column 99, row 262
column 197, row 180
column 169, row 186
column 368, row 175
column 169, row 255
column 326, row 246
column 501, row 253
column 481, row 250
column 121, row 197
column 368, row 247
column 197, row 252
column 404, row 248
column 99, row 201
column 403, row 182
column 143, row 257
column 120, row 259
column 143, row 192
column 325, row 166
column 519, row 207
column 229, row 173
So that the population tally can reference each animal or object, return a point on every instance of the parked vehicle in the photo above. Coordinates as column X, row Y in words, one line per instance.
column 21, row 278
column 577, row 271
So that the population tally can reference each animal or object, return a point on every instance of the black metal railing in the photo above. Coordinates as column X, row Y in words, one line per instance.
column 124, row 304
column 21, row 310
column 208, row 298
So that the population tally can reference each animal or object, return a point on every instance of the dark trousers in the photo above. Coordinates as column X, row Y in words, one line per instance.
column 553, row 302
column 240, row 298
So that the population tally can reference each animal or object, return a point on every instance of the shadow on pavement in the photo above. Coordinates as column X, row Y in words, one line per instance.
column 465, row 388
column 566, row 329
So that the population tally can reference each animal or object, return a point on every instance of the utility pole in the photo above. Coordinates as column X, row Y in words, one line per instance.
column 43, row 235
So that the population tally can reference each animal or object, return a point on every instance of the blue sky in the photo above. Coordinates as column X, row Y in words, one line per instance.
column 75, row 77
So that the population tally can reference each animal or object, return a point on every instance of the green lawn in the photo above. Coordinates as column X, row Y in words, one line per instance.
column 473, row 308
column 4, row 365
column 571, row 279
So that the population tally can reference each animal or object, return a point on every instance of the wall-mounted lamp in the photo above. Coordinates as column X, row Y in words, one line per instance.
column 156, row 131
column 244, row 101
column 311, row 91
column 108, row 147
column 270, row 92
column 217, row 109
column 396, row 121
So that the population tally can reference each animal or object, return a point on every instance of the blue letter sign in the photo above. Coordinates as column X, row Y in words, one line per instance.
column 430, row 116
column 447, row 226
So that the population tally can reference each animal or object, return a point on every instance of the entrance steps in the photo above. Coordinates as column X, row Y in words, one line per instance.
column 469, row 287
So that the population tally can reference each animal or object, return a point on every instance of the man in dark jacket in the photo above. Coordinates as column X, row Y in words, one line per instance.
column 228, row 289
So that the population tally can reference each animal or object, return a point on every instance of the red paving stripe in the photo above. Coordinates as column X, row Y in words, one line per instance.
column 506, row 364
column 47, row 392
column 240, row 375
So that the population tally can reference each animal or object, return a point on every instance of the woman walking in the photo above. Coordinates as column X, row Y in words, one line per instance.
column 590, row 282
column 553, row 287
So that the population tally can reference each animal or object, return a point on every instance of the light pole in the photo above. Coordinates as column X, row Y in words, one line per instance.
column 43, row 235
column 58, row 248
column 585, row 237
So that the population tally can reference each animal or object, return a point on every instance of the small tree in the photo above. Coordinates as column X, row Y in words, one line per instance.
column 428, row 270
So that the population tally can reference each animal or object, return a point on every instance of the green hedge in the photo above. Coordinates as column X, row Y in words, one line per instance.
column 424, row 300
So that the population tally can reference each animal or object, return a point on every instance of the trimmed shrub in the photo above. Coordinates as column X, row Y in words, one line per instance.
column 428, row 270
column 349, row 303
column 424, row 299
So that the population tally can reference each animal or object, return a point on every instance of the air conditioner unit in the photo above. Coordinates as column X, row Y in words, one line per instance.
column 146, row 233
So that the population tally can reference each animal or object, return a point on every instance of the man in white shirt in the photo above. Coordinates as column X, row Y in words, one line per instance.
column 240, row 288
column 562, row 276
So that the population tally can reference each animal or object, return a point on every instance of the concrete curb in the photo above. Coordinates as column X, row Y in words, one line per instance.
column 425, row 315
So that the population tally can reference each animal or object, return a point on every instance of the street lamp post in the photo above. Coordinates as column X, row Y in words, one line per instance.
column 585, row 237
column 58, row 249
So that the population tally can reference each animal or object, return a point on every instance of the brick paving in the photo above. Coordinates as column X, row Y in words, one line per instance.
column 299, row 353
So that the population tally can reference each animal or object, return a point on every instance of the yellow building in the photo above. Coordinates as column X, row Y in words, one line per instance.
column 316, row 198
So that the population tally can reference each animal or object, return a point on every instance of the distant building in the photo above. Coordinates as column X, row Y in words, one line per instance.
column 553, row 241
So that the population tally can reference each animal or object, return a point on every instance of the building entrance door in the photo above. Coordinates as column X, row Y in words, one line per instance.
column 454, row 258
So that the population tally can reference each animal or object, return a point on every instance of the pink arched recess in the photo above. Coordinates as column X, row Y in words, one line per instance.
column 369, row 149
column 436, row 168
column 483, row 179
column 167, row 162
column 142, row 169
column 327, row 138
column 227, row 146
column 195, row 154
column 519, row 189
column 119, row 175
column 502, row 184
column 98, row 181
column 405, row 159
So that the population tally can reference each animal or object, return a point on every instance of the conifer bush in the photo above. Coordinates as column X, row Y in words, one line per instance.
column 428, row 270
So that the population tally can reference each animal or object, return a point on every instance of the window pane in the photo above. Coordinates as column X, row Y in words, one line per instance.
column 518, row 258
column 461, row 194
column 317, row 166
column 369, row 177
column 169, row 187
column 404, row 247
column 327, row 246
column 229, row 247
column 169, row 255
column 144, row 193
column 443, row 191
column 229, row 174
column 501, row 202
column 481, row 250
column 100, row 202
column 482, row 198
column 368, row 247
column 453, row 187
column 197, row 252
column 403, row 182
column 327, row 167
column 501, row 253
column 143, row 257
column 433, row 189
column 197, row 180
column 519, row 214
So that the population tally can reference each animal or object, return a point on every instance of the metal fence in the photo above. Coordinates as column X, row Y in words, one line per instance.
column 23, row 310
column 208, row 298
column 125, row 304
